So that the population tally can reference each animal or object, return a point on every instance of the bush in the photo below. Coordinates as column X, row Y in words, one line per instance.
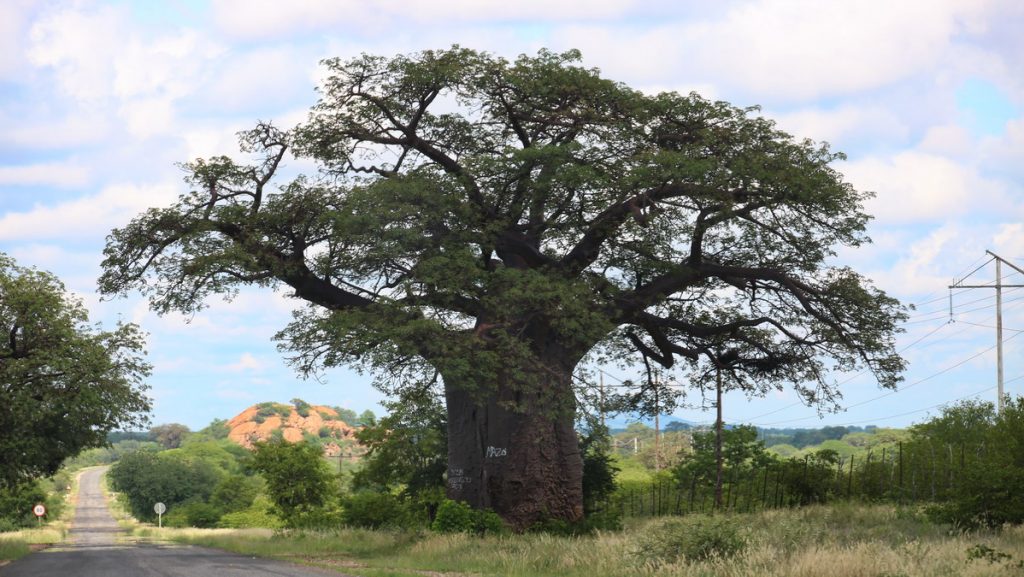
column 298, row 481
column 193, row 514
column 258, row 516
column 691, row 538
column 987, row 493
column 374, row 510
column 144, row 478
column 16, row 504
column 459, row 517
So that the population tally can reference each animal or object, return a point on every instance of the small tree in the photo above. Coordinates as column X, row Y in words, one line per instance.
column 64, row 384
column 146, row 478
column 298, row 480
column 170, row 436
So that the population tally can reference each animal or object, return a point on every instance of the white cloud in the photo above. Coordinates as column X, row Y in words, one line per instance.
column 247, row 363
column 844, row 123
column 914, row 187
column 57, row 174
column 788, row 50
column 85, row 217
column 103, row 62
column 14, row 14
column 269, row 18
column 262, row 78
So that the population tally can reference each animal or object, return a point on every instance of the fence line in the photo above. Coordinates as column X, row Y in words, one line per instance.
column 903, row 474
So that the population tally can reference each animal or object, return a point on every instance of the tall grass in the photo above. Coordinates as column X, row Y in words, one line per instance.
column 840, row 540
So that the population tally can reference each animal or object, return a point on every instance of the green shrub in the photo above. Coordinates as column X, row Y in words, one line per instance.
column 170, row 477
column 302, row 488
column 459, row 517
column 691, row 538
column 259, row 515
column 374, row 510
column 16, row 504
column 192, row 514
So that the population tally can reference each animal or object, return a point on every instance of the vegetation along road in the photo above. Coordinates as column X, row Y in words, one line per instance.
column 94, row 550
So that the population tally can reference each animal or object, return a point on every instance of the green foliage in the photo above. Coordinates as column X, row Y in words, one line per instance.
column 16, row 504
column 216, row 430
column 235, row 493
column 109, row 454
column 193, row 514
column 270, row 409
column 988, row 490
column 171, row 435
column 301, row 407
column 810, row 479
column 742, row 453
column 599, row 468
column 299, row 483
column 458, row 517
column 407, row 449
column 348, row 416
column 691, row 538
column 64, row 384
column 258, row 515
column 145, row 478
column 376, row 510
column 982, row 552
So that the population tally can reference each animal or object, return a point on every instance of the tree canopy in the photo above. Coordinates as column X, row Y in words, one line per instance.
column 494, row 222
column 64, row 384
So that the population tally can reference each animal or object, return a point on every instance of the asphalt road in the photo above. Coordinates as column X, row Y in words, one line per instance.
column 94, row 550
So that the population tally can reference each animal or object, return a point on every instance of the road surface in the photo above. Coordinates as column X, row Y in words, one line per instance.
column 94, row 550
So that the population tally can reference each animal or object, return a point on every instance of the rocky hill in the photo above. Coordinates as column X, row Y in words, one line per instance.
column 294, row 423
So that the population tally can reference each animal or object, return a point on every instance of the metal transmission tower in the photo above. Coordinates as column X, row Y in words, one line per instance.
column 999, row 286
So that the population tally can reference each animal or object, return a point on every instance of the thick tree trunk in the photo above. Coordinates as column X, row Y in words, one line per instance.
column 516, row 451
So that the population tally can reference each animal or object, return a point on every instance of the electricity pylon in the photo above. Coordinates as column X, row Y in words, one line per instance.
column 999, row 286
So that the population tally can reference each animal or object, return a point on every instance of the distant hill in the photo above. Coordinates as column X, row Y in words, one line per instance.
column 294, row 423
column 620, row 423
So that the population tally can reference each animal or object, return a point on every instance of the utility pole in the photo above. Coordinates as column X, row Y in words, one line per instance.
column 657, row 423
column 999, row 286
column 718, row 439
column 601, row 389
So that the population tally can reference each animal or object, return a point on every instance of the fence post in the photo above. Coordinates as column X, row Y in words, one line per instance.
column 764, row 487
column 901, row 472
column 881, row 475
column 849, row 486
column 776, row 501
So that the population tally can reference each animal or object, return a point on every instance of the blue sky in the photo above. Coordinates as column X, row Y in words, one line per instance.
column 99, row 100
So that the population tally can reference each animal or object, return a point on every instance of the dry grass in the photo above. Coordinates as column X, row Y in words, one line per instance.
column 833, row 541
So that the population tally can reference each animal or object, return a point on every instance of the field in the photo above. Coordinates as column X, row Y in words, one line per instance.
column 840, row 540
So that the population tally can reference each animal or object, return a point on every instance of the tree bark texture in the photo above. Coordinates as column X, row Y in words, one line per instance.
column 515, row 453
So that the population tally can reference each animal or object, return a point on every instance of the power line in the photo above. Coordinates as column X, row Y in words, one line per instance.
column 914, row 384
column 904, row 349
column 928, row 408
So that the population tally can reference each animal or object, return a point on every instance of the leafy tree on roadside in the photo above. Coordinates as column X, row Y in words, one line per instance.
column 64, row 384
column 170, row 436
column 146, row 478
column 407, row 448
column 496, row 222
column 298, row 481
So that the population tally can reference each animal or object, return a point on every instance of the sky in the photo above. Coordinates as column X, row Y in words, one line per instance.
column 99, row 101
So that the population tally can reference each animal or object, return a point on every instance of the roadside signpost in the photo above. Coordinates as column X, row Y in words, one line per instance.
column 160, row 509
column 39, row 511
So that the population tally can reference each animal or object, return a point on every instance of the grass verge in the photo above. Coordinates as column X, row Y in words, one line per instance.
column 838, row 540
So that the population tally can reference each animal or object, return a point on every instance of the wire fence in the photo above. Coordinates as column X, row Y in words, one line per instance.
column 919, row 472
